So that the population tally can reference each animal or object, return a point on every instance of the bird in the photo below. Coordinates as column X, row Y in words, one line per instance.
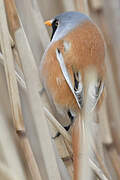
column 77, row 40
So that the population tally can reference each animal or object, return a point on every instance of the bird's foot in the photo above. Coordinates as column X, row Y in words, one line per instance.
column 58, row 133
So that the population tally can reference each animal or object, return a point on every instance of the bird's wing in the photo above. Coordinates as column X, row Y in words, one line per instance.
column 66, row 75
column 95, row 90
column 78, row 87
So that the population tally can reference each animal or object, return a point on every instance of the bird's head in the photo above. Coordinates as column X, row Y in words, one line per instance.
column 64, row 23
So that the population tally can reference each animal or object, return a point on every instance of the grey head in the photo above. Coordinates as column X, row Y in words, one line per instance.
column 65, row 22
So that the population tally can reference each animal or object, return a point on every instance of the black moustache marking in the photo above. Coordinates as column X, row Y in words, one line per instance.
column 54, row 27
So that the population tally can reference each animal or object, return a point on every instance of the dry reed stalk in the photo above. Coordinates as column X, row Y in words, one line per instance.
column 9, row 70
column 112, row 94
column 13, row 24
column 38, row 19
column 82, row 6
column 68, row 6
column 112, row 16
column 98, row 171
column 96, row 5
column 104, row 136
column 7, row 174
column 105, row 131
column 13, row 88
column 31, row 162
column 17, row 72
column 69, row 148
column 114, row 113
column 116, row 140
column 65, row 174
column 115, row 160
column 59, row 142
column 12, row 41
column 104, row 124
column 101, row 164
column 18, row 68
column 16, row 58
column 13, row 21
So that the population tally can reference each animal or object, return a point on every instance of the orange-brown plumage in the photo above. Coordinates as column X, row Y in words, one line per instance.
column 87, row 49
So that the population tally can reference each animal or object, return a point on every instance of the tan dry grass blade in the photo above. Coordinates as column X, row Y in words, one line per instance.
column 82, row 6
column 31, row 162
column 68, row 6
column 9, row 69
column 96, row 5
column 33, row 84
column 104, row 124
column 112, row 85
column 38, row 19
column 13, row 88
column 7, row 174
column 20, row 80
column 115, row 158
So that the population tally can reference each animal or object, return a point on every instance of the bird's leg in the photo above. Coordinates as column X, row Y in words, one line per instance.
column 71, row 117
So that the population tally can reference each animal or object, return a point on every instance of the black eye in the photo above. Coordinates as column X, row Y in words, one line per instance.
column 55, row 23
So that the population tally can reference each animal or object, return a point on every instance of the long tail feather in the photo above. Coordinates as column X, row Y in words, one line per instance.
column 93, row 88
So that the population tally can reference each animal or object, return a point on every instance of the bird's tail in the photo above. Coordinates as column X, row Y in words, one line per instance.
column 87, row 95
column 88, row 120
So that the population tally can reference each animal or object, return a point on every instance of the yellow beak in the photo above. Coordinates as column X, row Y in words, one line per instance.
column 48, row 23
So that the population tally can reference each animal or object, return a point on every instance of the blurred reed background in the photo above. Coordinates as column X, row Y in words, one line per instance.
column 35, row 158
